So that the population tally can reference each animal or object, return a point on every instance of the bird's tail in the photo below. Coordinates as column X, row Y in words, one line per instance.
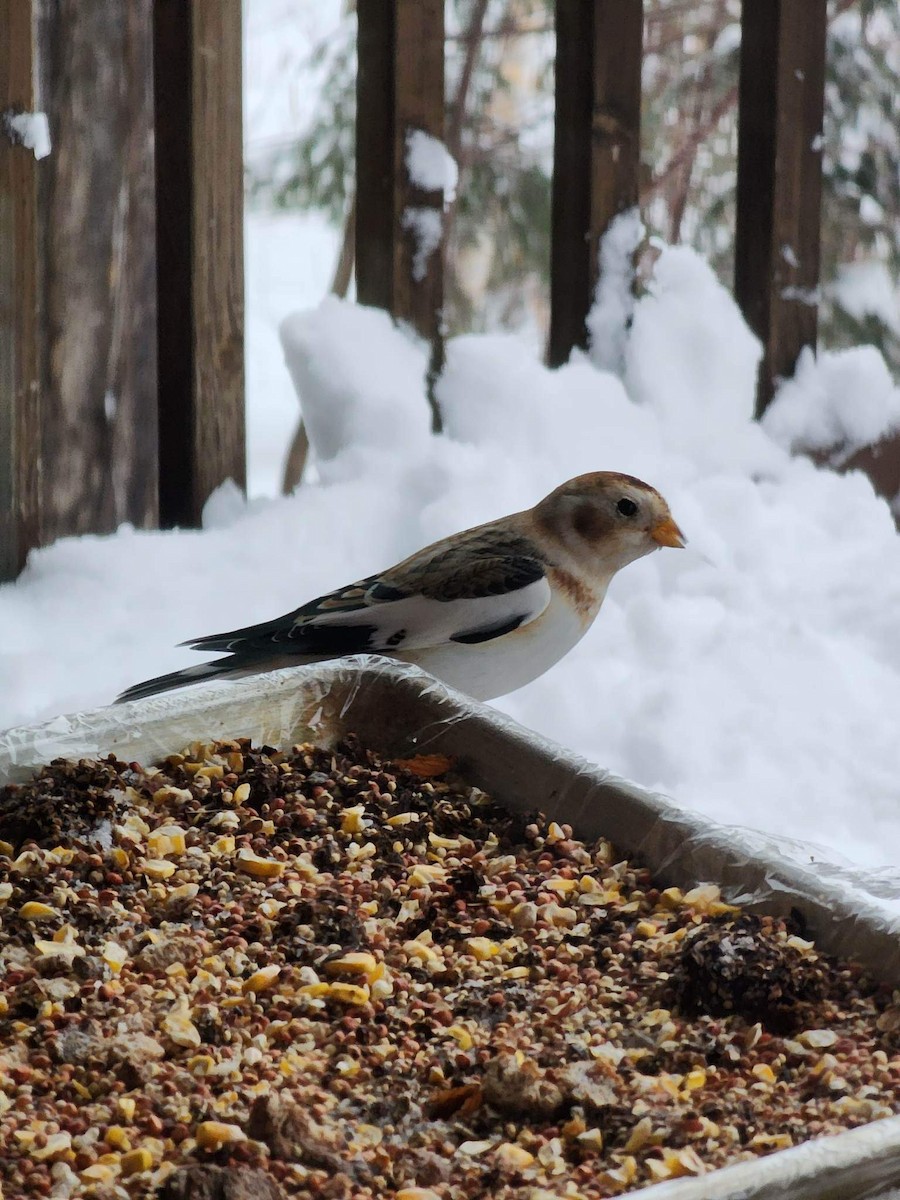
column 177, row 679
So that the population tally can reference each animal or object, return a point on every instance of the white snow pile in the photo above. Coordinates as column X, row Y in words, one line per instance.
column 754, row 676
column 836, row 404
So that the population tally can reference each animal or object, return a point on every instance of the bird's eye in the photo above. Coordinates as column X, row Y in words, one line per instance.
column 626, row 507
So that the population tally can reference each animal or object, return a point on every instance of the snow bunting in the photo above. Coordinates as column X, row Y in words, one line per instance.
column 486, row 610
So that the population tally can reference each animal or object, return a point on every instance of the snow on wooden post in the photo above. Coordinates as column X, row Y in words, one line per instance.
column 199, row 247
column 779, row 184
column 399, row 89
column 19, row 394
column 597, row 151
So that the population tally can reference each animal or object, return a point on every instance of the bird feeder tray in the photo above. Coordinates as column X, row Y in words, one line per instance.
column 403, row 712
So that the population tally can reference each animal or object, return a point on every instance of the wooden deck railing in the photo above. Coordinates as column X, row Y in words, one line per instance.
column 121, row 285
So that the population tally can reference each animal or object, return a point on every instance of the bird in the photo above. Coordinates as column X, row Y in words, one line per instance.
column 486, row 610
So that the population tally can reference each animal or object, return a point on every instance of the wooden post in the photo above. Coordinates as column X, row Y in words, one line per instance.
column 400, row 88
column 199, row 246
column 779, row 183
column 597, row 151
column 19, row 394
column 98, row 302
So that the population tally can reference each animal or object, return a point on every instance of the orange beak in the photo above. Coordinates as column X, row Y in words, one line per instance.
column 667, row 533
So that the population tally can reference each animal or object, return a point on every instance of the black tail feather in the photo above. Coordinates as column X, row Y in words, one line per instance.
column 177, row 679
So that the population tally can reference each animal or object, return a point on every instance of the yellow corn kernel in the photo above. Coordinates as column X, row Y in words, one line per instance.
column 645, row 929
column 352, row 819
column 355, row 962
column 259, row 868
column 695, row 1079
column 115, row 956
column 201, row 1064
column 7, row 849
column 671, row 898
column 117, row 1137
column 349, row 993
column 315, row 990
column 513, row 1157
column 424, row 874
column 98, row 1172
column 592, row 1139
column 482, row 948
column 212, row 1135
column 562, row 886
column 34, row 910
column 404, row 818
column 420, row 950
column 241, row 793
column 517, row 973
column 261, row 979
column 443, row 843
column 126, row 1107
column 554, row 834
column 461, row 1036
column 158, row 868
column 417, row 1193
column 764, row 1072
column 136, row 1161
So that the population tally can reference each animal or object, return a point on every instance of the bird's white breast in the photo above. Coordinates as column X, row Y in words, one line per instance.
column 491, row 669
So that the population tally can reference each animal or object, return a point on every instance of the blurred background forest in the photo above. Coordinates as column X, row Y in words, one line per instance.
column 500, row 130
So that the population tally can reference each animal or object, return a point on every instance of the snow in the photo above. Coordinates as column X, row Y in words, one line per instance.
column 32, row 130
column 840, row 401
column 427, row 227
column 754, row 676
column 430, row 165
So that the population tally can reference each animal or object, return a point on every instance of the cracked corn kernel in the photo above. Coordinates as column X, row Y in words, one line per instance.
column 461, row 1036
column 513, row 1157
column 645, row 929
column 241, row 793
column 158, row 868
column 695, row 1079
column 348, row 993
column 352, row 819
column 117, row 1137
column 417, row 1193
column 764, row 1072
column 136, row 1161
column 213, row 1135
column 33, row 910
column 482, row 948
column 126, row 1107
column 115, row 956
column 355, row 962
column 259, row 868
column 261, row 979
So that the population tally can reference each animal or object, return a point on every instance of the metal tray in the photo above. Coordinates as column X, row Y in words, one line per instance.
column 400, row 710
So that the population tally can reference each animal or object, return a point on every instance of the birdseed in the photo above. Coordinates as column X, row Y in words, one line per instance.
column 254, row 973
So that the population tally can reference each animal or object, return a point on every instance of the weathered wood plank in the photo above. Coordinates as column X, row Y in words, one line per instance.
column 400, row 88
column 199, row 195
column 19, row 394
column 779, row 186
column 596, row 157
column 98, row 361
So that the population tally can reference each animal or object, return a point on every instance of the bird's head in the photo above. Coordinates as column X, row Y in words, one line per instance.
column 605, row 521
